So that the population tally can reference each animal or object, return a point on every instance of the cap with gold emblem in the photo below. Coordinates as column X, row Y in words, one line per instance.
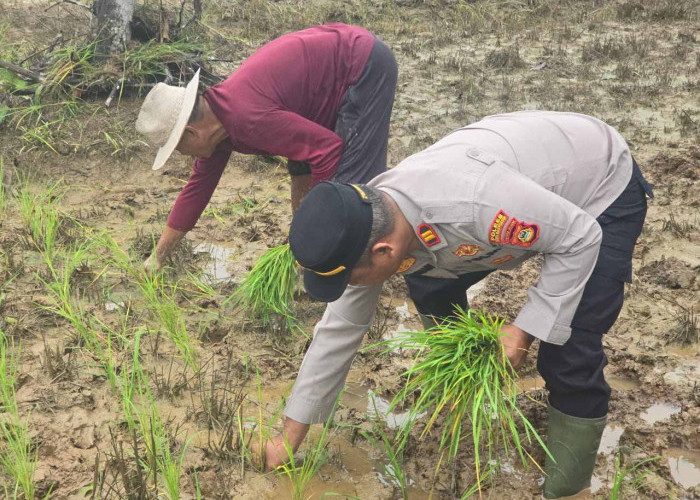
column 328, row 235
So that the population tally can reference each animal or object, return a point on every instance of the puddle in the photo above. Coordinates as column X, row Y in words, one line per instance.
column 359, row 397
column 610, row 439
column 658, row 412
column 393, row 420
column 617, row 383
column 684, row 466
column 686, row 352
column 219, row 259
column 404, row 314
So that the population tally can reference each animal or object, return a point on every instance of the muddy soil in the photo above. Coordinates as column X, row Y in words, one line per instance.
column 634, row 64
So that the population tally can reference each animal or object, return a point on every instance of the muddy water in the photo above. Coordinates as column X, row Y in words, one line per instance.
column 659, row 412
column 610, row 439
column 360, row 469
column 684, row 466
column 618, row 383
column 219, row 259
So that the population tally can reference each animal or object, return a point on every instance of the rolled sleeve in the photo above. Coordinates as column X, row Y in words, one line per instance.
column 524, row 215
column 337, row 337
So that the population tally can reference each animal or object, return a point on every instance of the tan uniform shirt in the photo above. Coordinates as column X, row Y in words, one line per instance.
column 487, row 196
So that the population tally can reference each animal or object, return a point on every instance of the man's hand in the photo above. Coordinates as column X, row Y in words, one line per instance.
column 275, row 452
column 152, row 264
column 166, row 244
column 516, row 343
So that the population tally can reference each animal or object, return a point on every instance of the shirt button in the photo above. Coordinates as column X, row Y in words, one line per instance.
column 428, row 215
column 475, row 153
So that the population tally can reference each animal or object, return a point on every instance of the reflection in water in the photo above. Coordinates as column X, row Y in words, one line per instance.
column 217, row 267
column 659, row 411
column 684, row 466
column 393, row 420
column 610, row 439
column 403, row 314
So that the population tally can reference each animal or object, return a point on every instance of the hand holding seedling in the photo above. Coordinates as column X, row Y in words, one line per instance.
column 279, row 449
column 516, row 343
column 152, row 264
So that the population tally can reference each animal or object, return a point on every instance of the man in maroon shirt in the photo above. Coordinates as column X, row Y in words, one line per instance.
column 320, row 97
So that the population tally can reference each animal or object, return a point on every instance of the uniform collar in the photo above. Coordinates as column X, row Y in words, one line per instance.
column 428, row 234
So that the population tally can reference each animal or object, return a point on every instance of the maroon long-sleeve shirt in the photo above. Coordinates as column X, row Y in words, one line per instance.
column 283, row 100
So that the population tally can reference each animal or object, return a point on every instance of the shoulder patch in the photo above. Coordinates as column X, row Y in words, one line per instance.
column 406, row 264
column 428, row 235
column 520, row 233
column 502, row 260
column 467, row 250
column 497, row 226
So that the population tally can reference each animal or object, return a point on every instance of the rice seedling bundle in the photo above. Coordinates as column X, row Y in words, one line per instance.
column 462, row 373
column 267, row 291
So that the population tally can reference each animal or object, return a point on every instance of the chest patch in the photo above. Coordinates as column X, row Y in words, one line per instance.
column 428, row 235
column 520, row 233
column 502, row 260
column 497, row 226
column 467, row 250
column 513, row 232
column 406, row 264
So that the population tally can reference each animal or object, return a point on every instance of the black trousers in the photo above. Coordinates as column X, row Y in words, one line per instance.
column 573, row 372
column 363, row 120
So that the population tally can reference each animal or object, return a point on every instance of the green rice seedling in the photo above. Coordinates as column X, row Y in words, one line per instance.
column 628, row 477
column 63, row 303
column 267, row 291
column 41, row 215
column 18, row 456
column 394, row 454
column 159, row 459
column 2, row 184
column 299, row 474
column 462, row 372
column 94, row 334
column 131, row 379
column 161, row 299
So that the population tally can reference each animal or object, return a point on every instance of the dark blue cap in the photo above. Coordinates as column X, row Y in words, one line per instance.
column 328, row 235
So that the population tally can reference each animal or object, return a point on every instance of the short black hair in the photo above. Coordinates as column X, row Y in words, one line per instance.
column 383, row 221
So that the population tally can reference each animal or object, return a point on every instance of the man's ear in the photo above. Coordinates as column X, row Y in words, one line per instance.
column 382, row 248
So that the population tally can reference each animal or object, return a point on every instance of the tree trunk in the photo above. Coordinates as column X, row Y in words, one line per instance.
column 197, row 9
column 113, row 24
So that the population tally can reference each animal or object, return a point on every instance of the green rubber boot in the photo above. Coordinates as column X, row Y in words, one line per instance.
column 573, row 442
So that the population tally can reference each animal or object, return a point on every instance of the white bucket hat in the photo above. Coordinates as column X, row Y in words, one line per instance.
column 164, row 115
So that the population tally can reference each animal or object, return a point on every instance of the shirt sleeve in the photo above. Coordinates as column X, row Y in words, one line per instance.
column 337, row 337
column 291, row 135
column 514, row 211
column 196, row 194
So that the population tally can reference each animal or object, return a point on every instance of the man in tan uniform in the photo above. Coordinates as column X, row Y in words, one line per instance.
column 488, row 196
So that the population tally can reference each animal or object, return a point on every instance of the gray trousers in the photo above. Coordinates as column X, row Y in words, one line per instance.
column 363, row 120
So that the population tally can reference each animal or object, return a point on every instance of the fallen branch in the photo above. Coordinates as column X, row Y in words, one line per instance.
column 21, row 71
column 70, row 2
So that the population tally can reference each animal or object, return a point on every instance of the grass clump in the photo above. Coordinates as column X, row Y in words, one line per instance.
column 462, row 373
column 18, row 455
column 300, row 472
column 267, row 291
column 629, row 478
